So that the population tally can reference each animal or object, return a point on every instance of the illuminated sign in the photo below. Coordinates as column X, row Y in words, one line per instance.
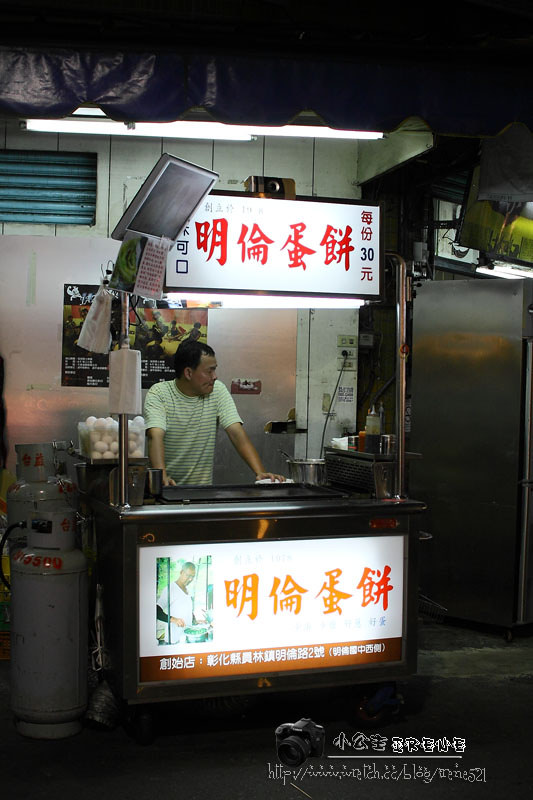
column 226, row 609
column 254, row 244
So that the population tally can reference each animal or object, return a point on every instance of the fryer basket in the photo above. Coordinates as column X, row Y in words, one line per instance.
column 367, row 473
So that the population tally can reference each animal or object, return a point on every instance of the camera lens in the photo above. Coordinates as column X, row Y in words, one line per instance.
column 293, row 751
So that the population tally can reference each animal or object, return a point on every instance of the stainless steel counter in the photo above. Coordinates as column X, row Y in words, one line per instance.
column 181, row 502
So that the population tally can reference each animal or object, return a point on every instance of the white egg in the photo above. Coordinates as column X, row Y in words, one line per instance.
column 100, row 446
column 137, row 454
column 138, row 421
column 110, row 421
column 114, row 447
column 94, row 436
column 96, row 454
column 100, row 423
column 90, row 421
column 132, row 444
column 108, row 454
column 107, row 438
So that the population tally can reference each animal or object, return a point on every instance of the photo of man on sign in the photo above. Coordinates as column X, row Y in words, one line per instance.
column 184, row 601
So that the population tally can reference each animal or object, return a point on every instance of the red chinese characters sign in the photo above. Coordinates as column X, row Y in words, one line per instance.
column 255, row 244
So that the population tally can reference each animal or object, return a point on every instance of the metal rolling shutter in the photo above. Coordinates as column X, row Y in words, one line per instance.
column 47, row 187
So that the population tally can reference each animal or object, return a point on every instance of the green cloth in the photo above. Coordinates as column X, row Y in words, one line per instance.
column 190, row 425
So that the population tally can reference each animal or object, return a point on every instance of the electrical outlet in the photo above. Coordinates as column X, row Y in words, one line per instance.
column 351, row 352
column 346, row 340
column 350, row 365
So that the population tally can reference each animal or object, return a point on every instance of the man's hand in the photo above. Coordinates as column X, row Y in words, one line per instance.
column 262, row 476
column 242, row 444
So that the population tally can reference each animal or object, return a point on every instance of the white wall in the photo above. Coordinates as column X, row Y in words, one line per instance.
column 33, row 270
column 321, row 168
column 37, row 260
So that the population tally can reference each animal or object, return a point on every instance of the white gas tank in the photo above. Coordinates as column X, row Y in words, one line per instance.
column 49, row 610
column 38, row 484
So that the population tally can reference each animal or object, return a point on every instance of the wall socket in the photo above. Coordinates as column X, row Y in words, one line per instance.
column 346, row 340
column 351, row 352
column 347, row 343
column 350, row 365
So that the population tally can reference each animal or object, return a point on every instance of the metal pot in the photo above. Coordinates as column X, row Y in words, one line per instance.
column 196, row 633
column 307, row 470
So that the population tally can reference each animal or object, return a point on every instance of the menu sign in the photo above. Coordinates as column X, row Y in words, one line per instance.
column 224, row 609
column 241, row 243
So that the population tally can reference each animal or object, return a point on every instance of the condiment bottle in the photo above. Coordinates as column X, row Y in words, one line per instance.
column 381, row 418
column 372, row 429
column 372, row 426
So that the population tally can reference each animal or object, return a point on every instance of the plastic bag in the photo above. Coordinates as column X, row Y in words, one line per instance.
column 95, row 332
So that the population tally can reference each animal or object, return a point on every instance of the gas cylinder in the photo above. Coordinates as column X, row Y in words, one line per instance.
column 49, row 646
column 39, row 484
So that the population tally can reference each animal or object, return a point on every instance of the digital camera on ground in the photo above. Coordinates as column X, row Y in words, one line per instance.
column 297, row 741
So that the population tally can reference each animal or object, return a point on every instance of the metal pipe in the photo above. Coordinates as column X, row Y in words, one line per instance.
column 402, row 352
column 382, row 390
column 123, row 437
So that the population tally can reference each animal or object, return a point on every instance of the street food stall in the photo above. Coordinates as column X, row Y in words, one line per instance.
column 289, row 585
column 286, row 585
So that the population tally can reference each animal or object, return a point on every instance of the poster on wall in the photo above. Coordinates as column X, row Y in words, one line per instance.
column 156, row 332
column 503, row 230
column 225, row 609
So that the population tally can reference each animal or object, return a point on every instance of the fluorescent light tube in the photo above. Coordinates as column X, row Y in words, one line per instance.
column 265, row 301
column 311, row 132
column 185, row 129
column 506, row 272
column 167, row 130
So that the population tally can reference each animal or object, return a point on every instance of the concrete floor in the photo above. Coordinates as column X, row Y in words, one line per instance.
column 471, row 685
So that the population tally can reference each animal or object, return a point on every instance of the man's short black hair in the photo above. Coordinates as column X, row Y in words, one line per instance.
column 189, row 354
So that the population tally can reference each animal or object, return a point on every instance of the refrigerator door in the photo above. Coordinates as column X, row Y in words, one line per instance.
column 468, row 384
column 524, row 607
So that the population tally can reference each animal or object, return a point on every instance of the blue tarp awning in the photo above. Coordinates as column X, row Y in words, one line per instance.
column 474, row 100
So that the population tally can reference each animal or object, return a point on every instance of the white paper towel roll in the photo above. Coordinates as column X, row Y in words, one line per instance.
column 125, row 381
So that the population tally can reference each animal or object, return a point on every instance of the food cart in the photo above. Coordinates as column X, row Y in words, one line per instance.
column 296, row 586
column 280, row 585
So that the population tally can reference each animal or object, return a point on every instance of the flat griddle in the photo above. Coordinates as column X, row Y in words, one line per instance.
column 267, row 492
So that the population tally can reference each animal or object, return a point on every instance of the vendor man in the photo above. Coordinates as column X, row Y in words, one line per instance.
column 181, row 418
